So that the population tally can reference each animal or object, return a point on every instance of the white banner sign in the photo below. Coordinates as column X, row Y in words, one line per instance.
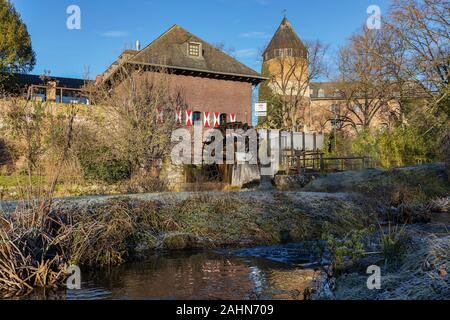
column 261, row 109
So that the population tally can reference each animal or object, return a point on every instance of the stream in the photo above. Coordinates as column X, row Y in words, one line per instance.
column 275, row 272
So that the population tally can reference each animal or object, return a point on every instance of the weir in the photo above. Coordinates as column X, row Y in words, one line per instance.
column 250, row 155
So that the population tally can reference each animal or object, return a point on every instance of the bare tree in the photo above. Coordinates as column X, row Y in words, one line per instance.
column 39, row 130
column 365, row 81
column 231, row 51
column 423, row 27
column 416, row 53
column 140, row 108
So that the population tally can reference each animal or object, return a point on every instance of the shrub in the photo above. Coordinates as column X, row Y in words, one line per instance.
column 98, row 160
column 395, row 147
column 109, row 170
column 345, row 250
column 5, row 155
column 393, row 243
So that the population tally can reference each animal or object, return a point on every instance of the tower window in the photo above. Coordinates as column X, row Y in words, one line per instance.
column 335, row 109
column 194, row 49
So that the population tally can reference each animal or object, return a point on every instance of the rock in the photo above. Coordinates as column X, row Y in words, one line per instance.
column 293, row 284
column 285, row 182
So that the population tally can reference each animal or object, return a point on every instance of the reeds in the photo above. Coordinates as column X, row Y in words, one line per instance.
column 31, row 252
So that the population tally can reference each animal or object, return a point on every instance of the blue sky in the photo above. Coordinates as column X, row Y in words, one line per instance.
column 109, row 26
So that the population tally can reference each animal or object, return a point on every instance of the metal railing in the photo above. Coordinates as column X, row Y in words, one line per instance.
column 315, row 161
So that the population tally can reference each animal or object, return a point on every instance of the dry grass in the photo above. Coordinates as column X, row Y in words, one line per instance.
column 31, row 252
column 422, row 275
column 39, row 241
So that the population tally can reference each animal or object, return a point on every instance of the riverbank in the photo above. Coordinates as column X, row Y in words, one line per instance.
column 414, row 265
column 40, row 240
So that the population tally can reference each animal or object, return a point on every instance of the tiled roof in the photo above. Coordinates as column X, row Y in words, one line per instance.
column 286, row 38
column 171, row 50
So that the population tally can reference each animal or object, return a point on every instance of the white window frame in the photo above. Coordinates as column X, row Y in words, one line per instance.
column 199, row 45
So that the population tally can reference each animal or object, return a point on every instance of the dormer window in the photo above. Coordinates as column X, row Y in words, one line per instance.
column 194, row 49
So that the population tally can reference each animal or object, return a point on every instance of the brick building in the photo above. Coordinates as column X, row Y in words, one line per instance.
column 214, row 85
column 318, row 105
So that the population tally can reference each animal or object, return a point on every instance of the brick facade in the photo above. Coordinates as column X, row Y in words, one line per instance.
column 214, row 95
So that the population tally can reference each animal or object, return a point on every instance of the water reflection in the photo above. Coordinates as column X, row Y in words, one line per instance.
column 237, row 275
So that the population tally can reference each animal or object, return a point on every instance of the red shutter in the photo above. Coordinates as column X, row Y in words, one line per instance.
column 206, row 119
column 178, row 117
column 216, row 119
column 189, row 118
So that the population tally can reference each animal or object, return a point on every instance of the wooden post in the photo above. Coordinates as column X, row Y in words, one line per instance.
column 303, row 141
column 292, row 149
column 279, row 136
column 322, row 163
column 315, row 143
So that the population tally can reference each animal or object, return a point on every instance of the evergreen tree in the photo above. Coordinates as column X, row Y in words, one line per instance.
column 16, row 52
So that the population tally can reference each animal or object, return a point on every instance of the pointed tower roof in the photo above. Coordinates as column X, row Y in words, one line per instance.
column 285, row 38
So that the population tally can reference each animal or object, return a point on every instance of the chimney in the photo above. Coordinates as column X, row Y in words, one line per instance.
column 138, row 45
column 98, row 79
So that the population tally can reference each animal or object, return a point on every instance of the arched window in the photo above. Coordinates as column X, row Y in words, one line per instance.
column 197, row 117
